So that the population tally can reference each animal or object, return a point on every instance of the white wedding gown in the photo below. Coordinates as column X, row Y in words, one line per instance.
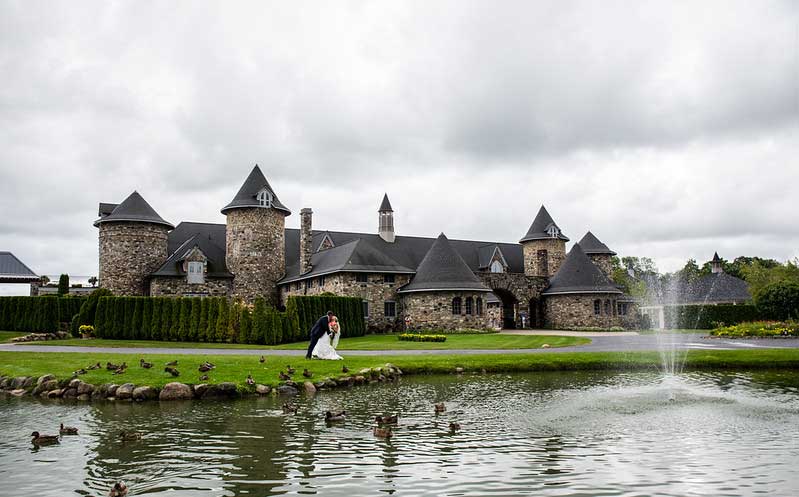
column 325, row 350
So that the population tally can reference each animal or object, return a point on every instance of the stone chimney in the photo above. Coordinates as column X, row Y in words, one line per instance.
column 306, row 240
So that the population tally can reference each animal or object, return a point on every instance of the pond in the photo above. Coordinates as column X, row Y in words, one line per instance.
column 529, row 434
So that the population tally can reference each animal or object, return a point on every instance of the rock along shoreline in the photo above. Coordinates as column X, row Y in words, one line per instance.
column 51, row 388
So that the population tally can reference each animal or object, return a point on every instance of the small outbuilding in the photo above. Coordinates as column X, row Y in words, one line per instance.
column 13, row 270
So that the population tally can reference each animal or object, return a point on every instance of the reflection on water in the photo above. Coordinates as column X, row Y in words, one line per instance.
column 532, row 434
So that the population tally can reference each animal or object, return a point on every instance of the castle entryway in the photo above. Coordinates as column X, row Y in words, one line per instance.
column 509, row 307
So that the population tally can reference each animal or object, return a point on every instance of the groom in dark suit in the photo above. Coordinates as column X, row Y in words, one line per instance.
column 322, row 326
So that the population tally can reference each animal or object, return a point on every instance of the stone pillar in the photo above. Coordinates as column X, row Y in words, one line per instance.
column 306, row 239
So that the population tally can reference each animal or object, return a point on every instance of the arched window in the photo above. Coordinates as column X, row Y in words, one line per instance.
column 597, row 307
column 469, row 306
column 479, row 306
column 607, row 308
column 265, row 198
column 456, row 306
column 496, row 267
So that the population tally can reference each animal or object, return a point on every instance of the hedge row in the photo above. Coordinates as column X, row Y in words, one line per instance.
column 349, row 311
column 702, row 317
column 36, row 314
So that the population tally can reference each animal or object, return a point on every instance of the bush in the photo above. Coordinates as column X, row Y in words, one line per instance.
column 86, row 330
column 758, row 329
column 779, row 300
column 63, row 285
column 245, row 325
column 155, row 320
column 221, row 322
column 309, row 308
column 418, row 337
column 702, row 317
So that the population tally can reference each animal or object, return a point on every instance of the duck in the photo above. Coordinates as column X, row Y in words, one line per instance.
column 204, row 377
column 345, row 369
column 79, row 372
column 118, row 490
column 250, row 381
column 387, row 420
column 204, row 367
column 172, row 371
column 39, row 439
column 95, row 366
column 145, row 364
column 307, row 374
column 172, row 363
column 120, row 370
column 335, row 418
column 383, row 432
column 262, row 359
column 283, row 376
column 289, row 408
column 453, row 427
column 129, row 436
column 289, row 369
column 440, row 407
column 67, row 430
column 111, row 367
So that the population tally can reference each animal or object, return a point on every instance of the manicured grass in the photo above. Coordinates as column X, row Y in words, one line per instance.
column 369, row 342
column 236, row 368
column 6, row 336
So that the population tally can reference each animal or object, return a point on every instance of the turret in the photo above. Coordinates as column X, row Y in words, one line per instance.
column 255, row 239
column 386, row 226
column 544, row 246
column 598, row 252
column 716, row 265
column 133, row 244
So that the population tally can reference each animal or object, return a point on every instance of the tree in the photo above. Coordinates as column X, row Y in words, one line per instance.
column 93, row 281
column 761, row 274
column 259, row 330
column 155, row 321
column 63, row 285
column 245, row 325
column 213, row 315
column 185, row 319
column 221, row 321
column 44, row 280
column 779, row 300
column 146, row 318
column 202, row 327
column 135, row 325
column 174, row 327
column 690, row 272
column 194, row 319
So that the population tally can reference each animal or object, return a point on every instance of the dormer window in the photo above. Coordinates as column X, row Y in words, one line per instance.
column 553, row 231
column 496, row 267
column 196, row 273
column 265, row 198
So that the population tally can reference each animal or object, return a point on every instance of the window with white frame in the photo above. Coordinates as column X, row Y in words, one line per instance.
column 390, row 309
column 553, row 231
column 196, row 273
column 265, row 198
column 497, row 267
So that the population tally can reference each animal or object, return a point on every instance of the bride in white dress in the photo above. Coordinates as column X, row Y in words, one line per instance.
column 326, row 346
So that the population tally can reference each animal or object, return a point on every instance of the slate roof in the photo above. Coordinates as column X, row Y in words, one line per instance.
column 385, row 206
column 209, row 238
column 486, row 253
column 578, row 274
column 716, row 257
column 717, row 288
column 14, row 270
column 246, row 197
column 134, row 208
column 592, row 246
column 538, row 230
column 443, row 269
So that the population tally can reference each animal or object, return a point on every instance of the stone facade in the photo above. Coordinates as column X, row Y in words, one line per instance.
column 178, row 286
column 255, row 251
column 434, row 310
column 602, row 261
column 543, row 258
column 129, row 252
column 525, row 291
column 306, row 240
column 577, row 310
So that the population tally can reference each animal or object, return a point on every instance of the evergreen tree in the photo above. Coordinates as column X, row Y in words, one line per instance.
column 233, row 317
column 202, row 327
column 174, row 327
column 259, row 326
column 213, row 315
column 155, row 320
column 135, row 326
column 221, row 321
column 63, row 285
column 146, row 318
column 245, row 325
column 109, row 330
column 99, row 320
column 194, row 320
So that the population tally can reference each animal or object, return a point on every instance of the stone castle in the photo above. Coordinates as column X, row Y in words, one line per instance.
column 404, row 281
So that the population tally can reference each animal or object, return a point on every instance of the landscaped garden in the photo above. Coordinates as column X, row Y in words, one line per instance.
column 762, row 329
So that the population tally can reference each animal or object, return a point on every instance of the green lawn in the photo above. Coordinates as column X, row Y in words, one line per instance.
column 236, row 368
column 6, row 336
column 371, row 342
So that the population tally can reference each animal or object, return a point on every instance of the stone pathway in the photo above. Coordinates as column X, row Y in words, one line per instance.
column 565, row 333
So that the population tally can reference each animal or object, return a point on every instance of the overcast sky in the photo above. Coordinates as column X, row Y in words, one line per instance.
column 669, row 129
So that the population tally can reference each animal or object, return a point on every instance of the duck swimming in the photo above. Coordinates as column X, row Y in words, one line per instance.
column 118, row 490
column 440, row 407
column 39, row 439
column 68, row 430
column 335, row 418
column 383, row 432
column 129, row 436
column 387, row 420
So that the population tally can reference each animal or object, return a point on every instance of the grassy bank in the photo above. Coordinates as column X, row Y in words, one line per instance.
column 236, row 368
column 6, row 336
column 369, row 342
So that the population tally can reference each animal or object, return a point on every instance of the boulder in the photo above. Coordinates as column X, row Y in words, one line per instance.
column 69, row 393
column 330, row 383
column 360, row 380
column 459, row 370
column 225, row 390
column 54, row 394
column 381, row 378
column 111, row 390
column 287, row 390
column 21, row 382
column 84, row 397
column 44, row 378
column 176, row 391
column 85, row 388
column 74, row 383
column 145, row 393
column 319, row 384
column 310, row 388
column 365, row 372
column 263, row 389
column 45, row 386
column 199, row 390
column 18, row 392
column 6, row 382
column 392, row 369
column 97, row 394
column 125, row 391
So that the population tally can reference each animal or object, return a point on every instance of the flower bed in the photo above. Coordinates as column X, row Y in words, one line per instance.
column 759, row 329
column 417, row 337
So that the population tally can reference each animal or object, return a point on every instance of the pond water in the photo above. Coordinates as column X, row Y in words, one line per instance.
column 586, row 434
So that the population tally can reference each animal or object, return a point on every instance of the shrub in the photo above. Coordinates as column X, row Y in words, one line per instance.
column 86, row 330
column 259, row 326
column 74, row 326
column 233, row 316
column 309, row 308
column 63, row 285
column 213, row 316
column 758, row 329
column 137, row 318
column 202, row 326
column 221, row 321
column 700, row 317
column 146, row 318
column 194, row 319
column 779, row 300
column 418, row 337
column 245, row 325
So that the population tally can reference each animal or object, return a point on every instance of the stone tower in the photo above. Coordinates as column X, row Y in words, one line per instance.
column 255, row 239
column 133, row 244
column 386, row 226
column 598, row 252
column 544, row 246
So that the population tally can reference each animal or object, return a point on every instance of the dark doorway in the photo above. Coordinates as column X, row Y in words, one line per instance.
column 536, row 314
column 508, row 308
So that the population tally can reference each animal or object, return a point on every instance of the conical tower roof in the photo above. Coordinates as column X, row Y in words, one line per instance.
column 592, row 246
column 579, row 275
column 716, row 257
column 385, row 206
column 539, row 230
column 133, row 209
column 443, row 269
column 248, row 193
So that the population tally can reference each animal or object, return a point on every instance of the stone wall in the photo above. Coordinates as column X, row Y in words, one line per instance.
column 526, row 290
column 306, row 239
column 555, row 254
column 178, row 286
column 433, row 310
column 577, row 310
column 374, row 291
column 129, row 252
column 256, row 252
column 602, row 261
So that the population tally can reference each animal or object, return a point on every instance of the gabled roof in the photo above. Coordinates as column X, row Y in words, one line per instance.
column 592, row 246
column 385, row 206
column 132, row 209
column 246, row 197
column 579, row 275
column 209, row 238
column 443, row 269
column 541, row 223
column 485, row 255
column 13, row 270
column 355, row 256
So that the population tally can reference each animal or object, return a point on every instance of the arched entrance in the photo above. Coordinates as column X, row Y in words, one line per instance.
column 509, row 303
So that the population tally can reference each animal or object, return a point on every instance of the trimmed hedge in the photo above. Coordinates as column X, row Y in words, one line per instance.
column 349, row 311
column 47, row 313
column 417, row 337
column 702, row 317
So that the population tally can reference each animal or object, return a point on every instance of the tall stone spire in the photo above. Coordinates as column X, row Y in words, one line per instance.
column 386, row 225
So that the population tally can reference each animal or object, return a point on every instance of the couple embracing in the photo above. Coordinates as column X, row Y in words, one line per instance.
column 324, row 338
